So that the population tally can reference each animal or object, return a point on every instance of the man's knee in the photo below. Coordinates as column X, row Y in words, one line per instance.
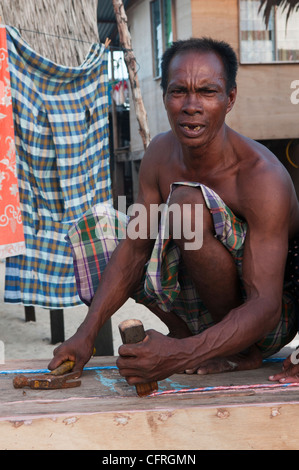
column 189, row 217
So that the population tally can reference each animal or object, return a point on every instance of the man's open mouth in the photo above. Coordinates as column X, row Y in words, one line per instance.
column 191, row 127
column 191, row 130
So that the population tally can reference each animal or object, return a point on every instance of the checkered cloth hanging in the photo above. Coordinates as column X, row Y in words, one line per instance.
column 62, row 145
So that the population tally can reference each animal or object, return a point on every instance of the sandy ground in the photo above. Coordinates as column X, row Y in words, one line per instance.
column 28, row 340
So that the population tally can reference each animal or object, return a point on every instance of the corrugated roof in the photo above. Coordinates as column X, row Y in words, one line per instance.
column 106, row 21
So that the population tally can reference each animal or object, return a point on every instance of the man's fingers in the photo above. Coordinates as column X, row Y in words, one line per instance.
column 57, row 361
column 126, row 365
column 131, row 375
column 128, row 350
column 78, row 368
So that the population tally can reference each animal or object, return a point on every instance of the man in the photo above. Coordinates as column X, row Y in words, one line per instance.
column 239, row 311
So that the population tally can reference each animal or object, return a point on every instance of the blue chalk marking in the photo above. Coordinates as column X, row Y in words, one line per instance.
column 274, row 359
column 166, row 383
column 45, row 371
column 106, row 381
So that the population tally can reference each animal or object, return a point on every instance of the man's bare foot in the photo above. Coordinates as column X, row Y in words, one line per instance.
column 251, row 359
column 177, row 327
column 290, row 370
column 179, row 333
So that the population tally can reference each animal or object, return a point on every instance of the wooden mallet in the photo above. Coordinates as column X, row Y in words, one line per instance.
column 131, row 332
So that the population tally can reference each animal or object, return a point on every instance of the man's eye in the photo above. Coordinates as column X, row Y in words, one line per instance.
column 209, row 91
column 178, row 91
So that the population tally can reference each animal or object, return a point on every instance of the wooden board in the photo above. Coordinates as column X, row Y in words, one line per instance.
column 105, row 412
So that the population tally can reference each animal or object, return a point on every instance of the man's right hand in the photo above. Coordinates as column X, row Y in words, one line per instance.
column 77, row 349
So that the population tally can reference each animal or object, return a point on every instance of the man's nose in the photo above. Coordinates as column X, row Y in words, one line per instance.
column 193, row 104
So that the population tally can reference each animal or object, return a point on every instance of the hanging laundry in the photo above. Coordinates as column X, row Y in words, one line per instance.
column 121, row 92
column 12, row 240
column 62, row 146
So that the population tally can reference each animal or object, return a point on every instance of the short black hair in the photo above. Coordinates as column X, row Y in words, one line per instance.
column 221, row 48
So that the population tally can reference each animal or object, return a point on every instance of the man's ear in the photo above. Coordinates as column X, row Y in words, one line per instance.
column 232, row 95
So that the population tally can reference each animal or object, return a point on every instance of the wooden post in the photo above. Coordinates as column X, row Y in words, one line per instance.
column 130, row 60
column 29, row 313
column 57, row 326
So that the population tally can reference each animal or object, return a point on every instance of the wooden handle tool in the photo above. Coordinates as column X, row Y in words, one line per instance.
column 66, row 366
column 131, row 332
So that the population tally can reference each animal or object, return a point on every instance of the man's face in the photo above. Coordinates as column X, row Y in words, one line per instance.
column 196, row 100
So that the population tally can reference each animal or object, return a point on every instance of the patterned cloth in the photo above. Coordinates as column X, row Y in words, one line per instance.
column 166, row 282
column 11, row 228
column 62, row 145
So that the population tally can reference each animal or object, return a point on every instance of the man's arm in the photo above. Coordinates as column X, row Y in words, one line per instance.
column 266, row 207
column 267, row 211
column 120, row 278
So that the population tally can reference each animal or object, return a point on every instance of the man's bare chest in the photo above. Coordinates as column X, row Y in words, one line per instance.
column 226, row 188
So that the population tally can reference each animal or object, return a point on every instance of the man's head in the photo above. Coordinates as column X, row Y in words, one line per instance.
column 199, row 91
column 202, row 45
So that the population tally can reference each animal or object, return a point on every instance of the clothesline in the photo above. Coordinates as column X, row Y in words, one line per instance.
column 70, row 38
column 55, row 35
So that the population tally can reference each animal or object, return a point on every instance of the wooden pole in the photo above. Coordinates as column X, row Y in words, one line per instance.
column 130, row 60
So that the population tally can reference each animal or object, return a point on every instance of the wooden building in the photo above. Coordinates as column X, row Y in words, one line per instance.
column 268, row 79
column 267, row 107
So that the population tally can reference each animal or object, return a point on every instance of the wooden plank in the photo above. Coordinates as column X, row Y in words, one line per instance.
column 75, row 418
column 234, row 428
column 115, row 393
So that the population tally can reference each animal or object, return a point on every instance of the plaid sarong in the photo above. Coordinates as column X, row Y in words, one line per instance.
column 166, row 282
column 62, row 145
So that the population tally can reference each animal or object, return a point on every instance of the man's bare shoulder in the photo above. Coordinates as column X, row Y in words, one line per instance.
column 155, row 159
column 259, row 165
column 157, row 155
column 263, row 182
column 161, row 146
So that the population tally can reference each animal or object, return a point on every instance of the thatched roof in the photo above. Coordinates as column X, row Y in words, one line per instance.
column 76, row 19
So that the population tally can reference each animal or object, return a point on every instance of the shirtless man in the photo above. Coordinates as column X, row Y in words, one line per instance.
column 199, row 89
